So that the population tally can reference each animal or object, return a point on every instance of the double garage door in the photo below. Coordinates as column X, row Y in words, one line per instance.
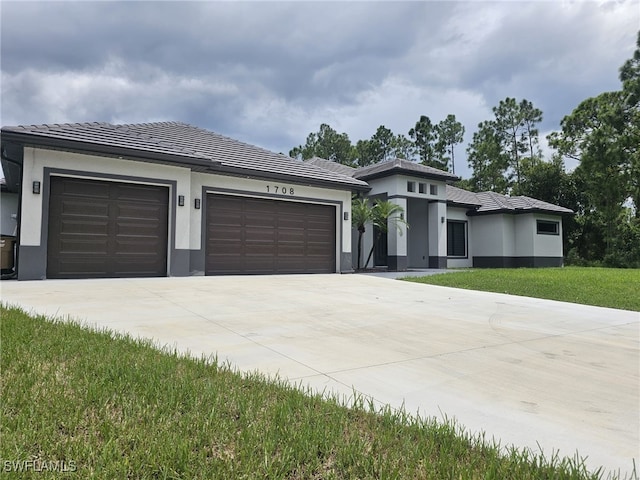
column 259, row 236
column 101, row 229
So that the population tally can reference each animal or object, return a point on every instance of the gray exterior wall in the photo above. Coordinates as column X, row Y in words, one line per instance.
column 417, row 233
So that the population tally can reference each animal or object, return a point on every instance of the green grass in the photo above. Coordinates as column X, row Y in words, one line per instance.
column 603, row 287
column 108, row 406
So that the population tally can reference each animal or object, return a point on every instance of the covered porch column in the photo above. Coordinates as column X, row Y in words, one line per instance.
column 397, row 239
column 438, row 234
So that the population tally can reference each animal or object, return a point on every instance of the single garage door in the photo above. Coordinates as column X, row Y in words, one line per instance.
column 103, row 229
column 260, row 236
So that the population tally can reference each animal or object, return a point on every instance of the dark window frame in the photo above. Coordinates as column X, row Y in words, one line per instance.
column 411, row 186
column 422, row 188
column 453, row 246
column 433, row 189
column 550, row 227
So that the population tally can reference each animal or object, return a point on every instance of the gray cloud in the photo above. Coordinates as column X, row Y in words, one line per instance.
column 270, row 72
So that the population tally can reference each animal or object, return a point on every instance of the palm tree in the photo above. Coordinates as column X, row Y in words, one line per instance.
column 361, row 214
column 384, row 212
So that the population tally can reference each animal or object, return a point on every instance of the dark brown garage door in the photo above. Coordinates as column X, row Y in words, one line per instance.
column 106, row 229
column 260, row 236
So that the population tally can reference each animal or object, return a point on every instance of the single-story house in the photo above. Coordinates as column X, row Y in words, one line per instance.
column 170, row 199
column 158, row 199
column 450, row 227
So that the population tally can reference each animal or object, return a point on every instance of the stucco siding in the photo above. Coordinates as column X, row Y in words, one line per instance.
column 397, row 185
column 387, row 186
column 547, row 245
column 524, row 235
column 487, row 239
column 397, row 234
column 508, row 235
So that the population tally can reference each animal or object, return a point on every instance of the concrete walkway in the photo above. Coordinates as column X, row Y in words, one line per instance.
column 527, row 372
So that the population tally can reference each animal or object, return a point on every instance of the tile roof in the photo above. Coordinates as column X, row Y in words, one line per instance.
column 483, row 202
column 527, row 203
column 398, row 165
column 492, row 202
column 331, row 166
column 182, row 144
column 462, row 197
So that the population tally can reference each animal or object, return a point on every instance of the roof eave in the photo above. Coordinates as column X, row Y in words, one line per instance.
column 473, row 206
column 403, row 171
column 520, row 211
column 316, row 182
column 30, row 139
column 198, row 164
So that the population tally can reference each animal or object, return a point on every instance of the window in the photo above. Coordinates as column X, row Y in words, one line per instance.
column 422, row 188
column 456, row 238
column 546, row 227
column 433, row 189
column 411, row 186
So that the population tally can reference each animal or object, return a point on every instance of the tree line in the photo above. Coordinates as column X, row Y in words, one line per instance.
column 602, row 134
column 428, row 143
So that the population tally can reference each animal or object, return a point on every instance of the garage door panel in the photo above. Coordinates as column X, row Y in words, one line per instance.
column 72, row 187
column 228, row 251
column 272, row 236
column 87, row 227
column 260, row 249
column 291, row 236
column 137, row 193
column 318, row 226
column 84, row 208
column 315, row 249
column 108, row 237
column 229, row 264
column 294, row 252
column 140, row 247
column 144, row 228
column 83, row 266
column 297, row 221
column 232, row 235
column 259, row 234
column 140, row 212
column 84, row 246
column 268, row 220
column 138, row 268
column 229, row 221
column 258, row 266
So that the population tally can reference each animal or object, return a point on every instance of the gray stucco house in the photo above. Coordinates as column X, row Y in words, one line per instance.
column 170, row 199
column 452, row 228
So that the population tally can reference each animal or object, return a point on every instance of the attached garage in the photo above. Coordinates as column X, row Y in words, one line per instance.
column 98, row 200
column 247, row 235
column 103, row 229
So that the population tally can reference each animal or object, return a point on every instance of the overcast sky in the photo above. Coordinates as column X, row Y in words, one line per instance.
column 269, row 73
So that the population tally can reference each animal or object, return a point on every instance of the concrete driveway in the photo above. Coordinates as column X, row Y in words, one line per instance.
column 532, row 373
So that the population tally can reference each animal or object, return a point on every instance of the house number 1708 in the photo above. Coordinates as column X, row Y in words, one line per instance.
column 282, row 190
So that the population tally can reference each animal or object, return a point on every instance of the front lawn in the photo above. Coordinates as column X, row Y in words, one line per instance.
column 83, row 404
column 604, row 287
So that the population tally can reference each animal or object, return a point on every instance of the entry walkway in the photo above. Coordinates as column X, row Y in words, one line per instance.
column 528, row 372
